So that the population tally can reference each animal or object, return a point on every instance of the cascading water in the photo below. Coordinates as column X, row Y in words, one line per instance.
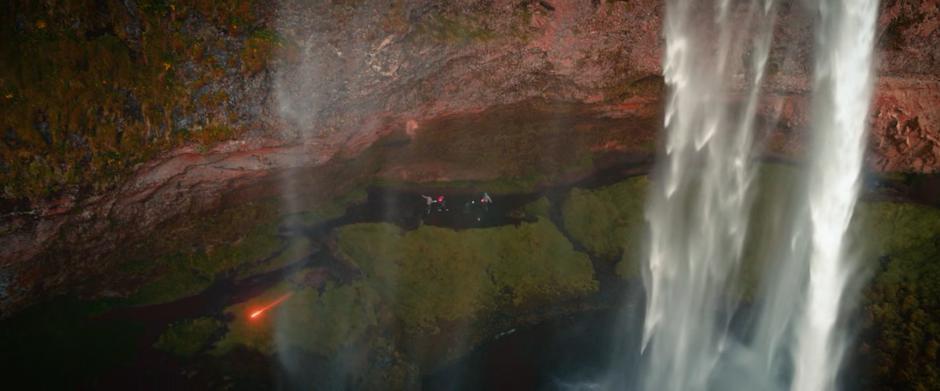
column 698, row 212
column 843, row 88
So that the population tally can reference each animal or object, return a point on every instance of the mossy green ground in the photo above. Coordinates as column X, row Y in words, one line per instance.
column 609, row 222
column 426, row 278
column 189, row 272
column 188, row 337
column 257, row 333
column 240, row 242
column 540, row 208
column 432, row 274
column 902, row 302
column 306, row 319
column 295, row 250
column 211, row 246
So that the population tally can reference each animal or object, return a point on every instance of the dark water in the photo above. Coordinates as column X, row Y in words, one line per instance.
column 921, row 189
column 574, row 352
column 406, row 208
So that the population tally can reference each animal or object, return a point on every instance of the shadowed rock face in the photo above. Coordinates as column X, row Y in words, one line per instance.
column 304, row 86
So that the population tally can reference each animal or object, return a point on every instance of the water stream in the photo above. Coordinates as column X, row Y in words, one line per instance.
column 699, row 210
column 843, row 88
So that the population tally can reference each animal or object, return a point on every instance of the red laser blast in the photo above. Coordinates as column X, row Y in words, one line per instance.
column 273, row 304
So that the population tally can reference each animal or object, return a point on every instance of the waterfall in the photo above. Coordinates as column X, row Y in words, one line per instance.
column 699, row 208
column 843, row 88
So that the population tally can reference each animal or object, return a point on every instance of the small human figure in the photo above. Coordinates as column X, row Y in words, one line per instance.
column 486, row 201
column 441, row 204
column 428, row 201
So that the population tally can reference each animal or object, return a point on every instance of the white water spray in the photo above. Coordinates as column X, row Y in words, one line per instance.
column 699, row 210
column 843, row 86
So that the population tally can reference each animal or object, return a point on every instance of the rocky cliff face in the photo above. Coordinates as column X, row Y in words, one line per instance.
column 120, row 116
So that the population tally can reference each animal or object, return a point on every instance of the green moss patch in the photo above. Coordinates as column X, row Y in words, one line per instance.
column 609, row 221
column 223, row 247
column 295, row 251
column 318, row 323
column 258, row 333
column 188, row 337
column 324, row 323
column 208, row 247
column 186, row 273
column 902, row 303
column 540, row 208
column 240, row 241
column 176, row 283
column 433, row 275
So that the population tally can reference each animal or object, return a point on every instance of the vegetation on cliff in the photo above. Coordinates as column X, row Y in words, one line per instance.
column 609, row 222
column 192, row 258
column 239, row 241
column 88, row 89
